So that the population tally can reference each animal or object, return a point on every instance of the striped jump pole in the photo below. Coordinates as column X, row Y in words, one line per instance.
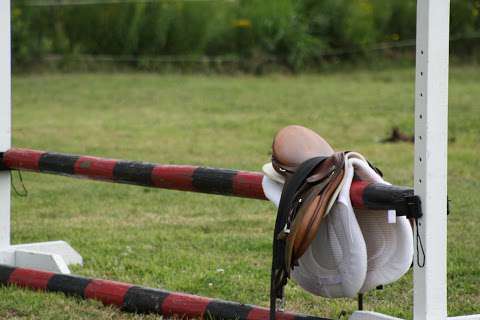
column 132, row 298
column 185, row 178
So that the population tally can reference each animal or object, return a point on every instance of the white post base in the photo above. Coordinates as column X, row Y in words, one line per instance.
column 54, row 256
column 370, row 315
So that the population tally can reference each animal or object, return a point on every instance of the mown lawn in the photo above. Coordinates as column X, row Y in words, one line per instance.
column 178, row 241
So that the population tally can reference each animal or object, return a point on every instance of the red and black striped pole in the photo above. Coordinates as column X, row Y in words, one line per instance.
column 131, row 298
column 182, row 177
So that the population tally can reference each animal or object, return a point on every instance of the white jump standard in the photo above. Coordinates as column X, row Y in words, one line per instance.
column 431, row 128
column 52, row 256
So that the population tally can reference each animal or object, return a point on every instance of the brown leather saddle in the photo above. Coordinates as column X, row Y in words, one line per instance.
column 313, row 175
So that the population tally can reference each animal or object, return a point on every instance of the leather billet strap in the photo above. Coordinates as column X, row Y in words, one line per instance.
column 303, row 204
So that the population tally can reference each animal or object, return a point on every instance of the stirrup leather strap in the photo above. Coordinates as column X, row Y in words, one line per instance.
column 289, row 202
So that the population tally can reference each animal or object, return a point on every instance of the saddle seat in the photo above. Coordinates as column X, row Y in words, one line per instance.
column 294, row 145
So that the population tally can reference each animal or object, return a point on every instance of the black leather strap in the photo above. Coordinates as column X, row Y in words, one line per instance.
column 2, row 165
column 280, row 273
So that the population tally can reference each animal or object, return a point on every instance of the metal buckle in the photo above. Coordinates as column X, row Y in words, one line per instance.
column 284, row 233
column 2, row 165
column 280, row 304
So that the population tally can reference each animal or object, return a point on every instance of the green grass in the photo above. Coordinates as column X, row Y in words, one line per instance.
column 176, row 240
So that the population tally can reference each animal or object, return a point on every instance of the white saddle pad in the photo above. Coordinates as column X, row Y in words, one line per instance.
column 335, row 264
column 389, row 245
column 354, row 250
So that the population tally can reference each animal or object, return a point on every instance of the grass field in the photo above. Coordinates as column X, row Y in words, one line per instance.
column 178, row 241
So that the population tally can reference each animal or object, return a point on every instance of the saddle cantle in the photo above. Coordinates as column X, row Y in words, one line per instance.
column 314, row 174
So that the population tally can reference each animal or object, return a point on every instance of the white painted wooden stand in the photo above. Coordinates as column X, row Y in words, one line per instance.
column 51, row 256
column 431, row 129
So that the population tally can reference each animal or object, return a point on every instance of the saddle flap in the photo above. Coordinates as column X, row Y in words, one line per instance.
column 302, row 206
column 315, row 205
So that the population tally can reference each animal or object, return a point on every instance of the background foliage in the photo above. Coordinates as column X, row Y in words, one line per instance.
column 292, row 33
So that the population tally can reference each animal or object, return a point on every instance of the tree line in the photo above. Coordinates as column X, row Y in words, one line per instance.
column 292, row 33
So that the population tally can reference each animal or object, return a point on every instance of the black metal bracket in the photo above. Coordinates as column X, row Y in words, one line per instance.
column 448, row 205
column 414, row 207
column 2, row 166
column 360, row 301
column 409, row 206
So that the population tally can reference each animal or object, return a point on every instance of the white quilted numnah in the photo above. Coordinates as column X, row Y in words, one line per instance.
column 389, row 245
column 354, row 250
column 335, row 264
column 272, row 190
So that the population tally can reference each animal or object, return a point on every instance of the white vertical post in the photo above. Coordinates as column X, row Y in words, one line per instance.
column 53, row 255
column 431, row 126
column 5, row 119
